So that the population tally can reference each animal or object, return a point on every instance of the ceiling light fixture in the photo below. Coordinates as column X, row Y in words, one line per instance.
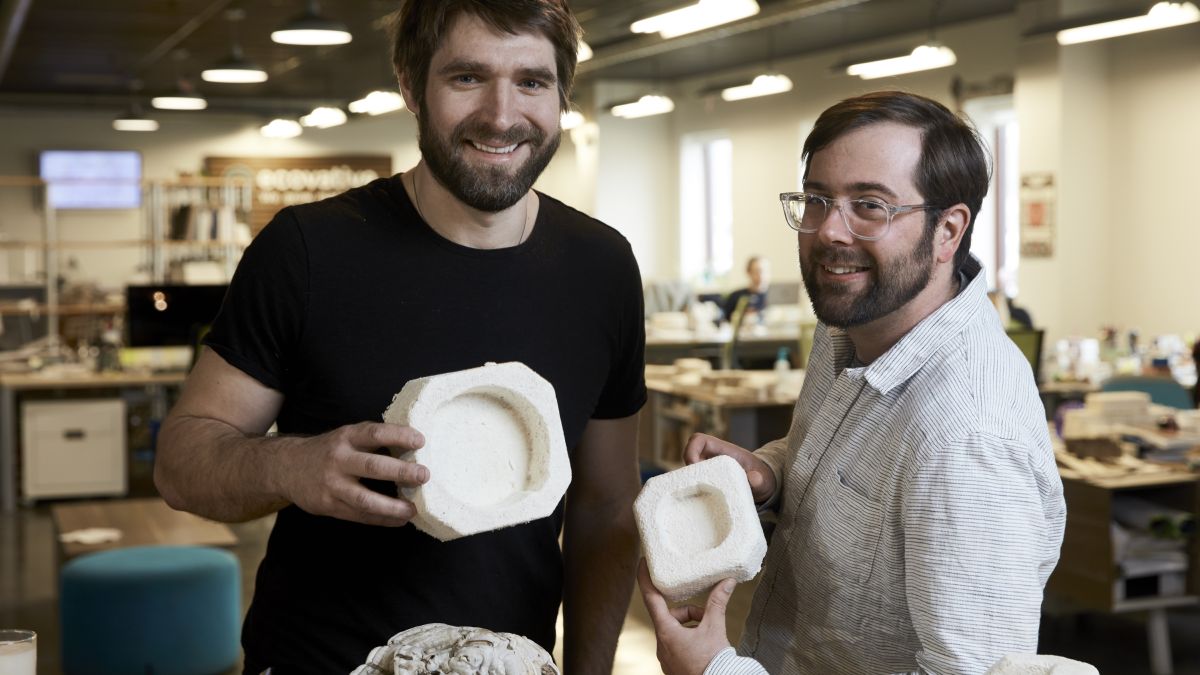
column 584, row 52
column 1161, row 15
column 324, row 117
column 377, row 103
column 928, row 56
column 183, row 98
column 234, row 69
column 310, row 28
column 134, row 120
column 697, row 17
column 650, row 104
column 571, row 119
column 763, row 85
column 281, row 128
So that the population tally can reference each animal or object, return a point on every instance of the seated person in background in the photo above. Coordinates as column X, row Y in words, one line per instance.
column 758, row 269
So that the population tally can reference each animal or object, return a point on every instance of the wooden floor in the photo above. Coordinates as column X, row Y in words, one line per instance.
column 28, row 599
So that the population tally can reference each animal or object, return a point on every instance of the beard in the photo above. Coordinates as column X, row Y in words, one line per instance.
column 892, row 286
column 491, row 188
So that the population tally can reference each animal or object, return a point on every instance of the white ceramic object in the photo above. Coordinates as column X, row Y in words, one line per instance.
column 457, row 650
column 494, row 448
column 699, row 525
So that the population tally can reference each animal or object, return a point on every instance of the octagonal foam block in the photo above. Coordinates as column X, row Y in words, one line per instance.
column 699, row 525
column 494, row 448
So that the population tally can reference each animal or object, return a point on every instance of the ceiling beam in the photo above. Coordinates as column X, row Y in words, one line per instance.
column 12, row 19
column 179, row 35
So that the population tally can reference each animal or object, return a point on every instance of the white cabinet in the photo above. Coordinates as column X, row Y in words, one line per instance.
column 74, row 447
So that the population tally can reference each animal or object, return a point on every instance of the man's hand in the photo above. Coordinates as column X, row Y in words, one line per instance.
column 683, row 649
column 762, row 480
column 320, row 474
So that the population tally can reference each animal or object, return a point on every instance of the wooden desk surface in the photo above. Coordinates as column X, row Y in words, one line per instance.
column 84, row 380
column 142, row 522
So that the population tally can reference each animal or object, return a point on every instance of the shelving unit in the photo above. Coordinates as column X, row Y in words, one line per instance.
column 161, row 251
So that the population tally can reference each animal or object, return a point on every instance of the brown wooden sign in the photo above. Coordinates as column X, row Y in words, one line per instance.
column 283, row 181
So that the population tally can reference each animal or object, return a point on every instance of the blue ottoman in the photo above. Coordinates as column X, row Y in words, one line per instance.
column 167, row 610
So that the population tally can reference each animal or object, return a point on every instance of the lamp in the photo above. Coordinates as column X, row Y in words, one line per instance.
column 134, row 120
column 692, row 18
column 281, row 128
column 571, row 119
column 650, row 104
column 1161, row 15
column 183, row 98
column 762, row 85
column 312, row 29
column 377, row 103
column 324, row 117
column 925, row 57
column 234, row 69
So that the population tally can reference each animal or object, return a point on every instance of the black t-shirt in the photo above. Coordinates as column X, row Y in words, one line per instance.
column 337, row 305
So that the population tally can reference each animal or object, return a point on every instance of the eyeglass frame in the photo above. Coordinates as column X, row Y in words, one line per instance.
column 892, row 211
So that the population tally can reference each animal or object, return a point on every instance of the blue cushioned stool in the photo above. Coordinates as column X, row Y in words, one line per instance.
column 167, row 610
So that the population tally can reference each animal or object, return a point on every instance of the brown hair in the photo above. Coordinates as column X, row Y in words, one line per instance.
column 419, row 27
column 953, row 167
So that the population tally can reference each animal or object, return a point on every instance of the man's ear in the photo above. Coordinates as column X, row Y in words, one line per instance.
column 952, row 225
column 406, row 91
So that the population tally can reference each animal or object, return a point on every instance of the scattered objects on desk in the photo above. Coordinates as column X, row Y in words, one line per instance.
column 1122, row 466
column 91, row 536
column 1153, row 518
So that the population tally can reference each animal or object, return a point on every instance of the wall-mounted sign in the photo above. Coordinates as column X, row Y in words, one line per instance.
column 1038, row 195
column 283, row 181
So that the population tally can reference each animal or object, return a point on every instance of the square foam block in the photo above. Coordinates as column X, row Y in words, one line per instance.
column 494, row 448
column 699, row 525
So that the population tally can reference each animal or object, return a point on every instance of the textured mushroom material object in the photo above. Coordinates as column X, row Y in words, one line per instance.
column 439, row 649
column 699, row 525
column 494, row 448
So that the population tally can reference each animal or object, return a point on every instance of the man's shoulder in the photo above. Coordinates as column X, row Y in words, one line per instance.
column 576, row 224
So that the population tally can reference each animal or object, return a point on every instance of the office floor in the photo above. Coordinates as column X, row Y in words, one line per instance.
column 28, row 599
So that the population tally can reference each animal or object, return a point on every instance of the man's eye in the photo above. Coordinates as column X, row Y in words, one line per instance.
column 534, row 84
column 870, row 205
column 465, row 79
column 814, row 200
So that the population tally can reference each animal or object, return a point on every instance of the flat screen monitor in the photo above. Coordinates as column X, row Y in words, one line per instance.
column 170, row 315
column 92, row 179
column 22, row 315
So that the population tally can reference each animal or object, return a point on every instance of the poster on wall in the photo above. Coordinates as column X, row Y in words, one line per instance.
column 282, row 181
column 1037, row 214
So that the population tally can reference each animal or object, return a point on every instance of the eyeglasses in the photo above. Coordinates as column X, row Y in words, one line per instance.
column 867, row 219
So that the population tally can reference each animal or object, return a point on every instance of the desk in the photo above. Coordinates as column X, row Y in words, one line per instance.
column 664, row 350
column 142, row 522
column 13, row 384
column 747, row 422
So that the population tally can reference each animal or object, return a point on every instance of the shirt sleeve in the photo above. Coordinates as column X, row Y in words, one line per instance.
column 625, row 390
column 979, row 530
column 262, row 317
column 727, row 662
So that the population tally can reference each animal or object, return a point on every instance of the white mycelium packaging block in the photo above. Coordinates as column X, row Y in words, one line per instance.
column 699, row 526
column 494, row 448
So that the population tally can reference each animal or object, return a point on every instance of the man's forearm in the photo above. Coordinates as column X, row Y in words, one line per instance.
column 209, row 468
column 600, row 551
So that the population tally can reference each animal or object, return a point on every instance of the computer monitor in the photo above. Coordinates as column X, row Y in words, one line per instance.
column 170, row 315
column 22, row 315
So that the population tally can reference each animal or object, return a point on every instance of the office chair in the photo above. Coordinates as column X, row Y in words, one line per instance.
column 1029, row 341
column 1163, row 390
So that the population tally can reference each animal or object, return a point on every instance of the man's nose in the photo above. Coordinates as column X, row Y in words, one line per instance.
column 503, row 108
column 835, row 228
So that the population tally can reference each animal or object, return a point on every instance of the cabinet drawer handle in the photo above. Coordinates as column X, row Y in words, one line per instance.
column 74, row 434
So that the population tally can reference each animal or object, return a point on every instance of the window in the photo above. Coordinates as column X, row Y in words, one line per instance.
column 706, row 207
column 996, row 240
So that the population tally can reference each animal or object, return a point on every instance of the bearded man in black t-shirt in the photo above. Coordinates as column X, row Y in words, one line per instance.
column 336, row 304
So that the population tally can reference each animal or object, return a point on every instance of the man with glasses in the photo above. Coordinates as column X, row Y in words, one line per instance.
column 920, row 511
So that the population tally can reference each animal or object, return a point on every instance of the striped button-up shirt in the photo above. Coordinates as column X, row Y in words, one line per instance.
column 920, row 509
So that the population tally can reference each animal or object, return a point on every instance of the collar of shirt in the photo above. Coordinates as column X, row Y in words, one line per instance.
column 912, row 351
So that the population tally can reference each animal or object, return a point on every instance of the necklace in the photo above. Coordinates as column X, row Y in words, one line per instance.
column 417, row 204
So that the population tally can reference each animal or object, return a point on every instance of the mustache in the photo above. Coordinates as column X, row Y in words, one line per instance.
column 480, row 130
column 833, row 257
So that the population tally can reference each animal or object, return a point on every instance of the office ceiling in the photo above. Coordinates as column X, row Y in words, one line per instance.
column 98, row 53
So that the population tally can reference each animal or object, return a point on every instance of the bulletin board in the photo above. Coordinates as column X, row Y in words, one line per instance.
column 1038, row 197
